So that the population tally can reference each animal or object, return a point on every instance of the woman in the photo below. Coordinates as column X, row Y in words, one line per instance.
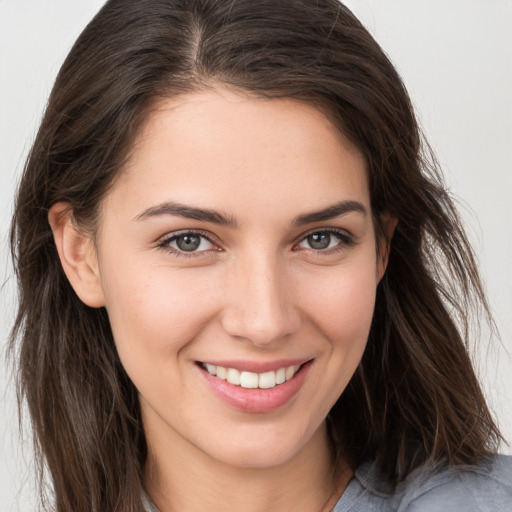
column 237, row 264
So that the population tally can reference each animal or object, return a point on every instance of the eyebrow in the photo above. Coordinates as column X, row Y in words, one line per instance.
column 214, row 217
column 187, row 212
column 331, row 212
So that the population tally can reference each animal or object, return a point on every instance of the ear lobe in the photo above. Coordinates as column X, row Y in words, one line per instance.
column 77, row 255
column 388, row 224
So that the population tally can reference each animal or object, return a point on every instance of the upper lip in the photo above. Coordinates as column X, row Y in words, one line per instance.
column 244, row 365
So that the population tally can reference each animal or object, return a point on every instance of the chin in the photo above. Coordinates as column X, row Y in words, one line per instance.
column 256, row 458
column 265, row 447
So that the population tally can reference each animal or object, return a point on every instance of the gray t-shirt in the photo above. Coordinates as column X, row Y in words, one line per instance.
column 484, row 488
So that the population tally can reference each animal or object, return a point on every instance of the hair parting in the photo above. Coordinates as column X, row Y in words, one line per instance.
column 414, row 397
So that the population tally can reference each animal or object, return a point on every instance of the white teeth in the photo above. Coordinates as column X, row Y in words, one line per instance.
column 249, row 380
column 211, row 369
column 252, row 380
column 267, row 380
column 281, row 376
column 233, row 376
column 291, row 371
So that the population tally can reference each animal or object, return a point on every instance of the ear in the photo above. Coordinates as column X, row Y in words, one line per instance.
column 388, row 224
column 77, row 254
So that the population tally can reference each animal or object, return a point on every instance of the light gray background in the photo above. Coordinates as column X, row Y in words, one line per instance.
column 456, row 59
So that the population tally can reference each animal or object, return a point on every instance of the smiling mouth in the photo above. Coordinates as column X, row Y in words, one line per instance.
column 252, row 380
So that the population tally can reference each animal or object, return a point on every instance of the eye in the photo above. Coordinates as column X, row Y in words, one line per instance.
column 322, row 240
column 187, row 242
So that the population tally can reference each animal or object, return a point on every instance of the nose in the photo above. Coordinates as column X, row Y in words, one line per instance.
column 259, row 302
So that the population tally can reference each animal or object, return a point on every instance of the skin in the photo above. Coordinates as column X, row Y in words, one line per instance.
column 255, row 291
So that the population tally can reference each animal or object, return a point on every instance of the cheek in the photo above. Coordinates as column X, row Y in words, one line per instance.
column 339, row 307
column 154, row 312
column 342, row 304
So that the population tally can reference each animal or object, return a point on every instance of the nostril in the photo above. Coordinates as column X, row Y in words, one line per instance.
column 261, row 328
column 258, row 304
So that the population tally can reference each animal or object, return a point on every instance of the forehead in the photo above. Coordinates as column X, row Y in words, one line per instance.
column 221, row 148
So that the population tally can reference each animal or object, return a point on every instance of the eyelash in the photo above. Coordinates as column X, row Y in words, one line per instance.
column 346, row 240
column 165, row 244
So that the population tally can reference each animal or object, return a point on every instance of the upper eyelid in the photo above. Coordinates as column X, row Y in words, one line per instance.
column 346, row 238
column 175, row 234
column 338, row 231
column 166, row 239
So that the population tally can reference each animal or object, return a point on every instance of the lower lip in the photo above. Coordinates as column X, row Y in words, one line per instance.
column 256, row 400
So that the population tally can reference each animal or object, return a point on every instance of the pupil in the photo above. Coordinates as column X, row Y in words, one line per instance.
column 188, row 242
column 319, row 240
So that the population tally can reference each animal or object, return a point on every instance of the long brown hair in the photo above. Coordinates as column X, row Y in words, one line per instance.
column 414, row 396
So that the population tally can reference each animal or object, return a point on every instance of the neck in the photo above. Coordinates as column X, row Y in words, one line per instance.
column 185, row 479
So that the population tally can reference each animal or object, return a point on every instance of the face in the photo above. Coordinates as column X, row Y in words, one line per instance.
column 237, row 261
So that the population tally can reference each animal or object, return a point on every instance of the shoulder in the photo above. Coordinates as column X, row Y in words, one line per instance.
column 148, row 505
column 483, row 488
